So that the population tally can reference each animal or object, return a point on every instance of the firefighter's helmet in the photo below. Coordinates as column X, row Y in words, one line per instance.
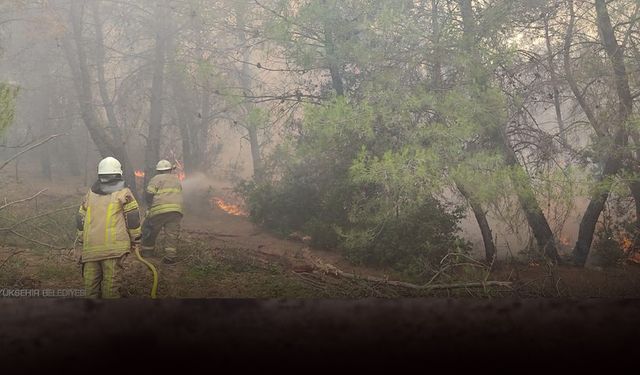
column 109, row 165
column 164, row 165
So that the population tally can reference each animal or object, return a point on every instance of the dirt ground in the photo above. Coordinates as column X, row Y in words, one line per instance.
column 227, row 256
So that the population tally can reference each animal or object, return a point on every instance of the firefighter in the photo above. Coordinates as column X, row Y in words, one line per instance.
column 164, row 199
column 108, row 224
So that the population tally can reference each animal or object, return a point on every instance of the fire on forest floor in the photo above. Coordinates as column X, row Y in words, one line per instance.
column 225, row 255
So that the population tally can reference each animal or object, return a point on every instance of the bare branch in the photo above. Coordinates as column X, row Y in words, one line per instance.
column 29, row 149
column 571, row 79
column 22, row 200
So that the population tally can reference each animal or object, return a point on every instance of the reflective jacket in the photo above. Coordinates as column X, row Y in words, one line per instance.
column 165, row 191
column 108, row 222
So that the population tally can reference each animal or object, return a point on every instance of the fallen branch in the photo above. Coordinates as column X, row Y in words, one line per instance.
column 213, row 234
column 29, row 149
column 22, row 200
column 327, row 268
column 483, row 284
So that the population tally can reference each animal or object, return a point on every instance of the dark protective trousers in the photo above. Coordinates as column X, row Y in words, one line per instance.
column 151, row 228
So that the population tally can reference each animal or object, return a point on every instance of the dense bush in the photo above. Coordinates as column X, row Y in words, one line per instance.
column 353, row 181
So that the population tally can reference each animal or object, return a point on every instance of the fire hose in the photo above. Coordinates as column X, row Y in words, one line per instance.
column 152, row 268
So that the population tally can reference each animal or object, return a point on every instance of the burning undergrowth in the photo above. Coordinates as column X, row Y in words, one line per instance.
column 228, row 206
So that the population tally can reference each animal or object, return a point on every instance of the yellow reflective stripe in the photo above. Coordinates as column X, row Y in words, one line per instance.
column 169, row 190
column 89, row 274
column 87, row 221
column 130, row 206
column 113, row 229
column 108, row 271
column 165, row 208
column 116, row 245
column 107, row 228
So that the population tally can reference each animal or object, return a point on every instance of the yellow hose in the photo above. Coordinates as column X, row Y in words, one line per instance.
column 154, row 288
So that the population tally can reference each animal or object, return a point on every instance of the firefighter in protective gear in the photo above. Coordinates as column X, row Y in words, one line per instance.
column 108, row 224
column 164, row 198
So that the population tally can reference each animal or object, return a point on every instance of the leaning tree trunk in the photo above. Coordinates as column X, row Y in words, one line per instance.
column 107, row 143
column 533, row 213
column 82, row 82
column 613, row 162
column 476, row 207
column 535, row 217
column 483, row 223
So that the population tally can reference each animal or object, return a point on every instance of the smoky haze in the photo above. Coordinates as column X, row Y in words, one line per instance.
column 227, row 89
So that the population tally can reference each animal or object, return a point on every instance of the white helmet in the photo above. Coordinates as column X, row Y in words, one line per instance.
column 164, row 165
column 109, row 165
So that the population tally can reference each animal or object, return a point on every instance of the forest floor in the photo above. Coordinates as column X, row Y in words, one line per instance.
column 226, row 256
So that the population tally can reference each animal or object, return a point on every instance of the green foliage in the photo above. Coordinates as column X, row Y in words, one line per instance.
column 413, row 240
column 356, row 179
column 8, row 94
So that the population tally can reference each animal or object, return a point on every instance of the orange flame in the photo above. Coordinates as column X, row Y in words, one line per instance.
column 138, row 173
column 180, row 170
column 229, row 208
column 626, row 243
column 178, row 165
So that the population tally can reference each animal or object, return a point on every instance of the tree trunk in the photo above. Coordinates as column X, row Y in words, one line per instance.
column 202, row 132
column 332, row 61
column 436, row 79
column 483, row 223
column 334, row 67
column 592, row 213
column 533, row 213
column 613, row 162
column 82, row 83
column 526, row 197
column 245, row 81
column 43, row 124
column 476, row 207
column 120, row 145
column 554, row 81
column 152, row 151
column 184, row 115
